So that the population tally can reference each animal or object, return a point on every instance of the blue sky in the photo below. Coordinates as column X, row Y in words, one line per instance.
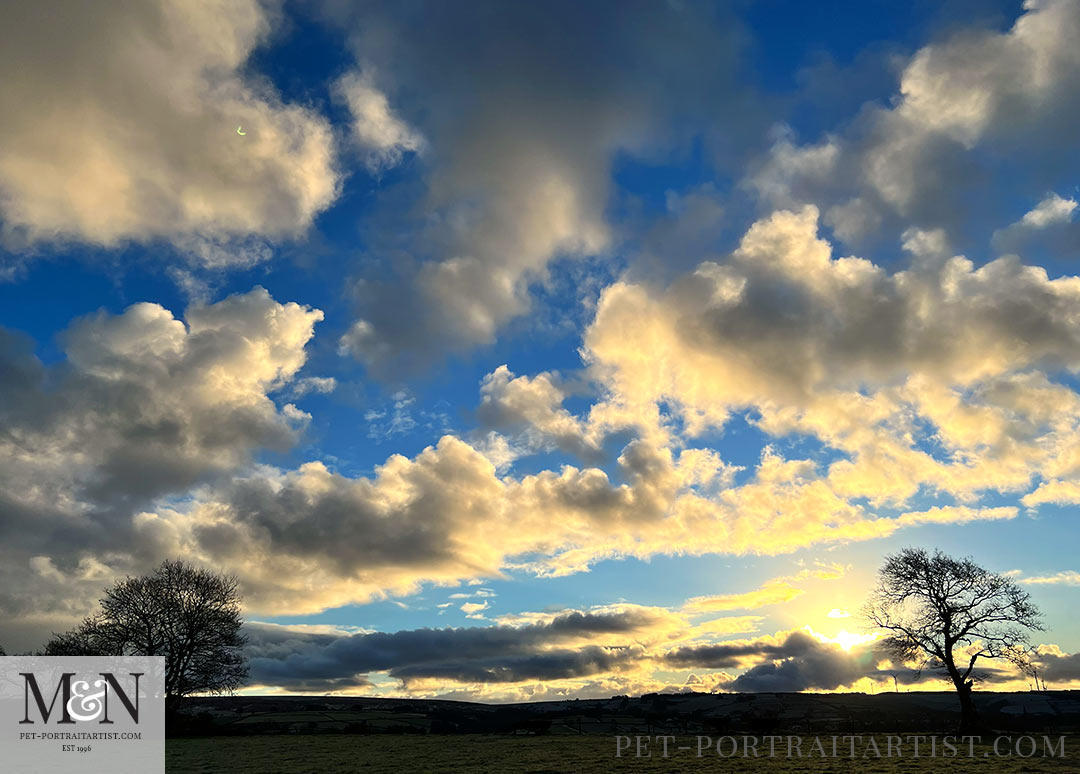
column 564, row 309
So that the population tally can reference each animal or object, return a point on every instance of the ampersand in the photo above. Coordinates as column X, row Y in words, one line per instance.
column 89, row 703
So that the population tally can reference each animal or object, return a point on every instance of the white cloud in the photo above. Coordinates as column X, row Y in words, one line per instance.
column 788, row 172
column 1048, row 221
column 121, row 126
column 474, row 609
column 321, row 385
column 376, row 130
column 1052, row 209
column 1053, row 491
column 1066, row 578
column 533, row 405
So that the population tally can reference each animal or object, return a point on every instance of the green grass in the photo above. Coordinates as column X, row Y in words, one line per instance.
column 468, row 754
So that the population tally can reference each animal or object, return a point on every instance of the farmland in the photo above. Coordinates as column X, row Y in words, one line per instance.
column 311, row 735
column 393, row 754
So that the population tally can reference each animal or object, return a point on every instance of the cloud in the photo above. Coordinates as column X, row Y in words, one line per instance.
column 1054, row 491
column 1065, row 577
column 571, row 652
column 504, row 663
column 817, row 667
column 833, row 348
column 858, row 358
column 1053, row 214
column 321, row 385
column 1052, row 209
column 122, row 127
column 522, row 129
column 475, row 609
column 473, row 594
column 145, row 406
column 445, row 516
column 559, row 647
column 398, row 418
column 574, row 653
column 547, row 665
column 533, row 405
column 788, row 174
column 790, row 661
column 772, row 592
column 376, row 130
column 1056, row 665
column 864, row 360
column 979, row 82
column 918, row 160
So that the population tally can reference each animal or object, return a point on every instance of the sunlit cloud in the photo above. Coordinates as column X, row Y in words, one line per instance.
column 1066, row 578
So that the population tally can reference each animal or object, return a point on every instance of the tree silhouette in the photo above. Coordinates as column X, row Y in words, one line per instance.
column 187, row 614
column 947, row 614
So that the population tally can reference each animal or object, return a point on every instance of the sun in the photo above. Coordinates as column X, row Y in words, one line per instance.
column 845, row 639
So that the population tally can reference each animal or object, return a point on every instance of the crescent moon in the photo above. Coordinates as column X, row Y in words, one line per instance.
column 239, row 132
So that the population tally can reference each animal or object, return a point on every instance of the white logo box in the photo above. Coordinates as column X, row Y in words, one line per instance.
column 82, row 714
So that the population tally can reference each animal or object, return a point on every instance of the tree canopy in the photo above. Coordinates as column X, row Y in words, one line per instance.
column 946, row 614
column 188, row 614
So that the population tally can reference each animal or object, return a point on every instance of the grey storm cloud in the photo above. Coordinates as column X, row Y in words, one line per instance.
column 549, row 665
column 327, row 527
column 1058, row 667
column 728, row 655
column 824, row 667
column 797, row 663
column 498, row 653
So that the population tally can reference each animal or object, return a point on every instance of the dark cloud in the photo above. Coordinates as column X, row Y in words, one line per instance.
column 727, row 655
column 476, row 654
column 549, row 665
column 798, row 662
column 1057, row 667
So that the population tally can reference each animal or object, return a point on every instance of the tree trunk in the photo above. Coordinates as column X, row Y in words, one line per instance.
column 969, row 718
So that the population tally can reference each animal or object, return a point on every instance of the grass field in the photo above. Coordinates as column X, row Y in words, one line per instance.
column 420, row 754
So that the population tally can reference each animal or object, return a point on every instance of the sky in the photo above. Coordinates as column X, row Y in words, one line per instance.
column 520, row 351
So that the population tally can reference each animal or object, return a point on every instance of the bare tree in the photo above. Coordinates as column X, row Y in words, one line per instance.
column 187, row 614
column 93, row 637
column 948, row 613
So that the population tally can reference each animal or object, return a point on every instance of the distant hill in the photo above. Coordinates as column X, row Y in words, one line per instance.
column 682, row 713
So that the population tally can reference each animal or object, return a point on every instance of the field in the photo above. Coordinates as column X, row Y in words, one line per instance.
column 491, row 754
